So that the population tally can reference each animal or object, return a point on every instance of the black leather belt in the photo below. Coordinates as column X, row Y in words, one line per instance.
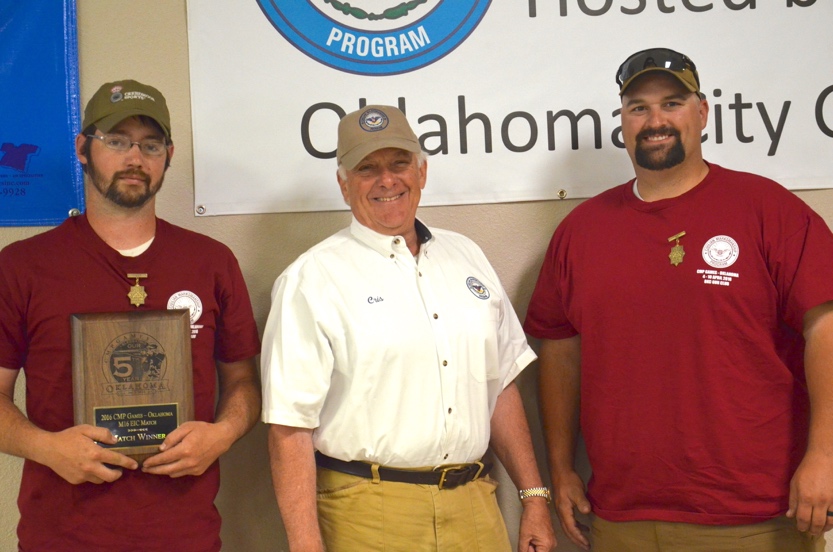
column 445, row 477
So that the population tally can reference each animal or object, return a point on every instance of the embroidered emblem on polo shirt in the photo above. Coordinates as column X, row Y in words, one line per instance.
column 721, row 252
column 477, row 288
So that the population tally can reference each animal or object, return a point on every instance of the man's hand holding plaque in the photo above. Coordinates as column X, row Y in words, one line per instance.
column 194, row 446
column 76, row 455
column 189, row 450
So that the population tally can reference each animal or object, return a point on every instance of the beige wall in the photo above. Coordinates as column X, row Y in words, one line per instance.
column 147, row 41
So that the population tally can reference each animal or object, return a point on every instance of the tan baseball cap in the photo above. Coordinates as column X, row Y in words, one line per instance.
column 372, row 128
column 116, row 101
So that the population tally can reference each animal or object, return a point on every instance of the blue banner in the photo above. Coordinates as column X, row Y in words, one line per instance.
column 41, row 182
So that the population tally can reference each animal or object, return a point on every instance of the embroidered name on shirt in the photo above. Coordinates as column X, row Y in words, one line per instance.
column 372, row 300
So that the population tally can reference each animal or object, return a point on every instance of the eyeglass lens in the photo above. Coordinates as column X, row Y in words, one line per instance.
column 150, row 146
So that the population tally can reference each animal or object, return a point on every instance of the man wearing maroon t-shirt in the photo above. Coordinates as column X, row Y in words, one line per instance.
column 686, row 328
column 75, row 494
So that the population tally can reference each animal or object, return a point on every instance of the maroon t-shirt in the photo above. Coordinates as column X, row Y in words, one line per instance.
column 68, row 270
column 693, row 398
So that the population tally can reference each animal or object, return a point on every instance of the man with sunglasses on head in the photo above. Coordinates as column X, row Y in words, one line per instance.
column 686, row 315
column 75, row 494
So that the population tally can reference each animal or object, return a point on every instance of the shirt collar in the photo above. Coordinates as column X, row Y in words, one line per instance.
column 384, row 244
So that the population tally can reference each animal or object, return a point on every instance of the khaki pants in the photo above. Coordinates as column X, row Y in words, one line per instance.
column 776, row 535
column 356, row 514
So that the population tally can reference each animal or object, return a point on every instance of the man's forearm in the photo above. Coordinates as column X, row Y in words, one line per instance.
column 292, row 460
column 17, row 433
column 238, row 407
column 511, row 440
column 512, row 443
column 818, row 369
column 559, row 389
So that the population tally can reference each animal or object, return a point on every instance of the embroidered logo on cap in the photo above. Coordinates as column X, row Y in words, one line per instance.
column 373, row 120
column 477, row 288
column 116, row 95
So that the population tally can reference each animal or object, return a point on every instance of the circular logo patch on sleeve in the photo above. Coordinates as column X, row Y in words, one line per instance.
column 375, row 37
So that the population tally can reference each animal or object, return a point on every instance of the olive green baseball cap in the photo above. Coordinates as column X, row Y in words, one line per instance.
column 658, row 59
column 372, row 128
column 116, row 101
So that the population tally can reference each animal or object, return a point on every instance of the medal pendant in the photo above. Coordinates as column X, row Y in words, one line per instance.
column 137, row 293
column 677, row 252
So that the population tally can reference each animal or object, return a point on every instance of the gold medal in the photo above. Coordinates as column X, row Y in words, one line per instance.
column 677, row 252
column 137, row 293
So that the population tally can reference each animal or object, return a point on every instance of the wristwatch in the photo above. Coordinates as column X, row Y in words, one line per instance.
column 542, row 492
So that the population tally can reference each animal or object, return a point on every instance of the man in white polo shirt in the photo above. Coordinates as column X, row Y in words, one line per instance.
column 388, row 361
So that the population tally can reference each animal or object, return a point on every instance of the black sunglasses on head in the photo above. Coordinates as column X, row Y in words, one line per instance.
column 654, row 57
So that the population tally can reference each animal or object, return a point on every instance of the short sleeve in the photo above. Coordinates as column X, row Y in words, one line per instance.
column 546, row 317
column 12, row 319
column 296, row 360
column 802, row 267
column 236, row 338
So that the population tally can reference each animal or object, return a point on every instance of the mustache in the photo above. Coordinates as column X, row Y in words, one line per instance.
column 132, row 174
column 657, row 132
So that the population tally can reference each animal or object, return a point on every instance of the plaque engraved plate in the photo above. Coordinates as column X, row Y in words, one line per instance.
column 131, row 373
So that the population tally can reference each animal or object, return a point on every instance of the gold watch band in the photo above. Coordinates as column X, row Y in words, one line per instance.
column 542, row 492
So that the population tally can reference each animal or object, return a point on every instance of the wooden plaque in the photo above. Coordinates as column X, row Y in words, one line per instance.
column 132, row 373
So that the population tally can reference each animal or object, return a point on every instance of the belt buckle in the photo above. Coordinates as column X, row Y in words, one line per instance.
column 456, row 469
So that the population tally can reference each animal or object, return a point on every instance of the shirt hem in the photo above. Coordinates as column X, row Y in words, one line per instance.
column 698, row 518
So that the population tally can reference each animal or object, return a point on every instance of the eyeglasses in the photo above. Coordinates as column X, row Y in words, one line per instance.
column 150, row 147
column 655, row 57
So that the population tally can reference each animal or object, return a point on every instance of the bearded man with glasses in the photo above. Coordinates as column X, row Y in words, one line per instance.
column 686, row 320
column 76, row 494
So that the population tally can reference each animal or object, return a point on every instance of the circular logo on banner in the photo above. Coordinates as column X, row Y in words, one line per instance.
column 721, row 251
column 375, row 37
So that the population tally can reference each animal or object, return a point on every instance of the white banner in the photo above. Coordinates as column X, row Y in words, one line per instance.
column 514, row 99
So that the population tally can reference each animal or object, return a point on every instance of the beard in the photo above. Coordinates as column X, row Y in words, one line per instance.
column 130, row 199
column 659, row 159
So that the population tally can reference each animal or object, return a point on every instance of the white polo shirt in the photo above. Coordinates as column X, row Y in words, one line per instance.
column 391, row 358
